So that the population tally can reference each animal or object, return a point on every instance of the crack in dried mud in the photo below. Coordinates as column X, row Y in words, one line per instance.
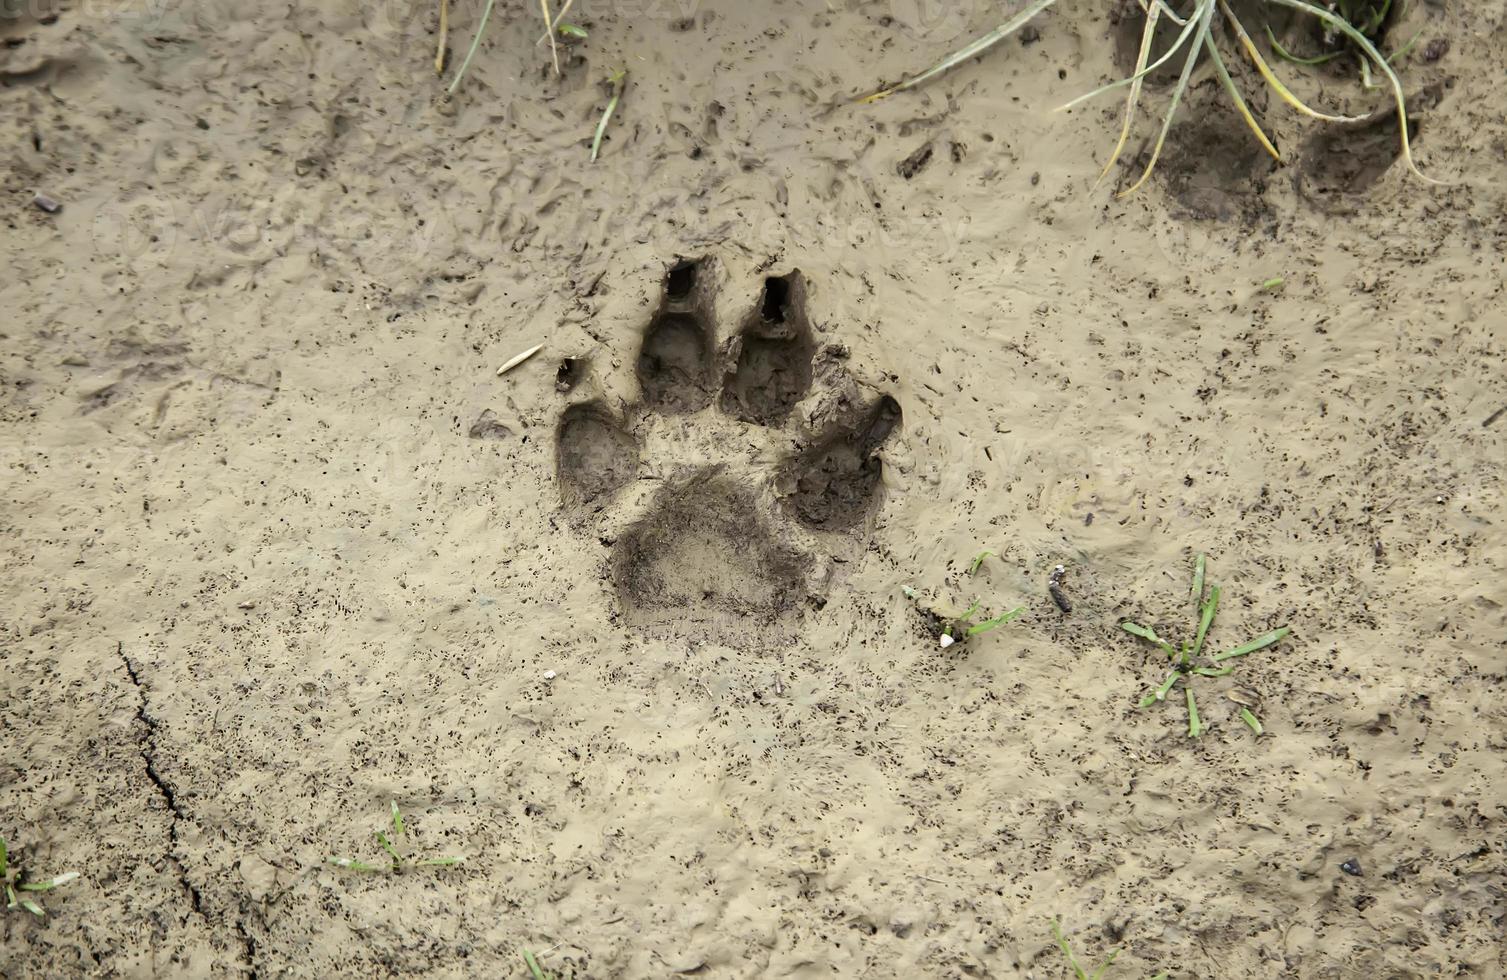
column 147, row 744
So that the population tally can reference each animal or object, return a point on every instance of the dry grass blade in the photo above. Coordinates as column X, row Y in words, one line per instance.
column 1134, row 98
column 444, row 32
column 1283, row 92
column 549, row 28
column 513, row 362
column 556, row 25
column 978, row 47
column 1361, row 41
column 1205, row 17
column 1140, row 75
column 1240, row 106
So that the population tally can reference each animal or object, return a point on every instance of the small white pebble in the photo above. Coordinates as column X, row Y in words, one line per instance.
column 549, row 675
column 947, row 641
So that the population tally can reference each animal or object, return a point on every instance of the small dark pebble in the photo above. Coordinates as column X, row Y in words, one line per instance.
column 1054, row 589
column 46, row 203
column 201, row 123
column 1436, row 49
column 1351, row 867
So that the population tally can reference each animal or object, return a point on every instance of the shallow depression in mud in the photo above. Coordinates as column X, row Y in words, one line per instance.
column 704, row 561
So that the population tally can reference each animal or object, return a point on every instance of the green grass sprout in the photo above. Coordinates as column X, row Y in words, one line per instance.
column 536, row 972
column 1273, row 284
column 1184, row 659
column 1079, row 973
column 16, row 880
column 979, row 560
column 617, row 80
column 465, row 65
column 396, row 862
column 572, row 31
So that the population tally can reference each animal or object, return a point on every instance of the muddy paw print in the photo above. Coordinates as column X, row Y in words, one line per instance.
column 746, row 475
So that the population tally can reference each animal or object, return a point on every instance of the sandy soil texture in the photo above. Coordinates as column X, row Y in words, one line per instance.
column 627, row 626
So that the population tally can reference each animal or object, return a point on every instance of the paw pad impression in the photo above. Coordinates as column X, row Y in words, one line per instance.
column 722, row 547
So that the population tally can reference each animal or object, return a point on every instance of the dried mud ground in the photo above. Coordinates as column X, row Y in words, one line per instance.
column 280, row 547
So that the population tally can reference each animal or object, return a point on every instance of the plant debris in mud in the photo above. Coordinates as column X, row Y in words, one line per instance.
column 952, row 628
column 397, row 861
column 16, row 880
column 1184, row 658
column 1195, row 39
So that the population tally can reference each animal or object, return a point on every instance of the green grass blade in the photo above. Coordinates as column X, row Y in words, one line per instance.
column 1067, row 950
column 1204, row 15
column 351, row 864
column 1276, row 84
column 1147, row 633
column 974, row 49
column 1133, row 99
column 534, row 969
column 49, row 884
column 397, row 818
column 1206, row 619
column 1287, row 55
column 1259, row 643
column 1160, row 694
column 1104, row 967
column 1195, row 726
column 1361, row 41
column 979, row 560
column 33, row 907
column 1251, row 720
column 443, row 862
column 481, row 29
column 990, row 624
column 4, row 857
column 387, row 846
column 618, row 80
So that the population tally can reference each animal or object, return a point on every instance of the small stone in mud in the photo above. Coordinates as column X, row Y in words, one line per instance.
column 1351, row 867
column 46, row 203
column 1436, row 49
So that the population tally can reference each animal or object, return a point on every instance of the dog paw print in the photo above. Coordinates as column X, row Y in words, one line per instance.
column 743, row 478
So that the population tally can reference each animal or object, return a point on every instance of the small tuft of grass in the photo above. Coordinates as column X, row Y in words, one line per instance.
column 16, row 880
column 1196, row 38
column 951, row 628
column 1184, row 657
column 1079, row 973
column 396, row 861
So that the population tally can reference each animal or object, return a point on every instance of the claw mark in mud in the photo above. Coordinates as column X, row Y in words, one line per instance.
column 675, row 362
column 704, row 560
column 837, row 478
column 713, row 555
column 594, row 454
column 771, row 356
